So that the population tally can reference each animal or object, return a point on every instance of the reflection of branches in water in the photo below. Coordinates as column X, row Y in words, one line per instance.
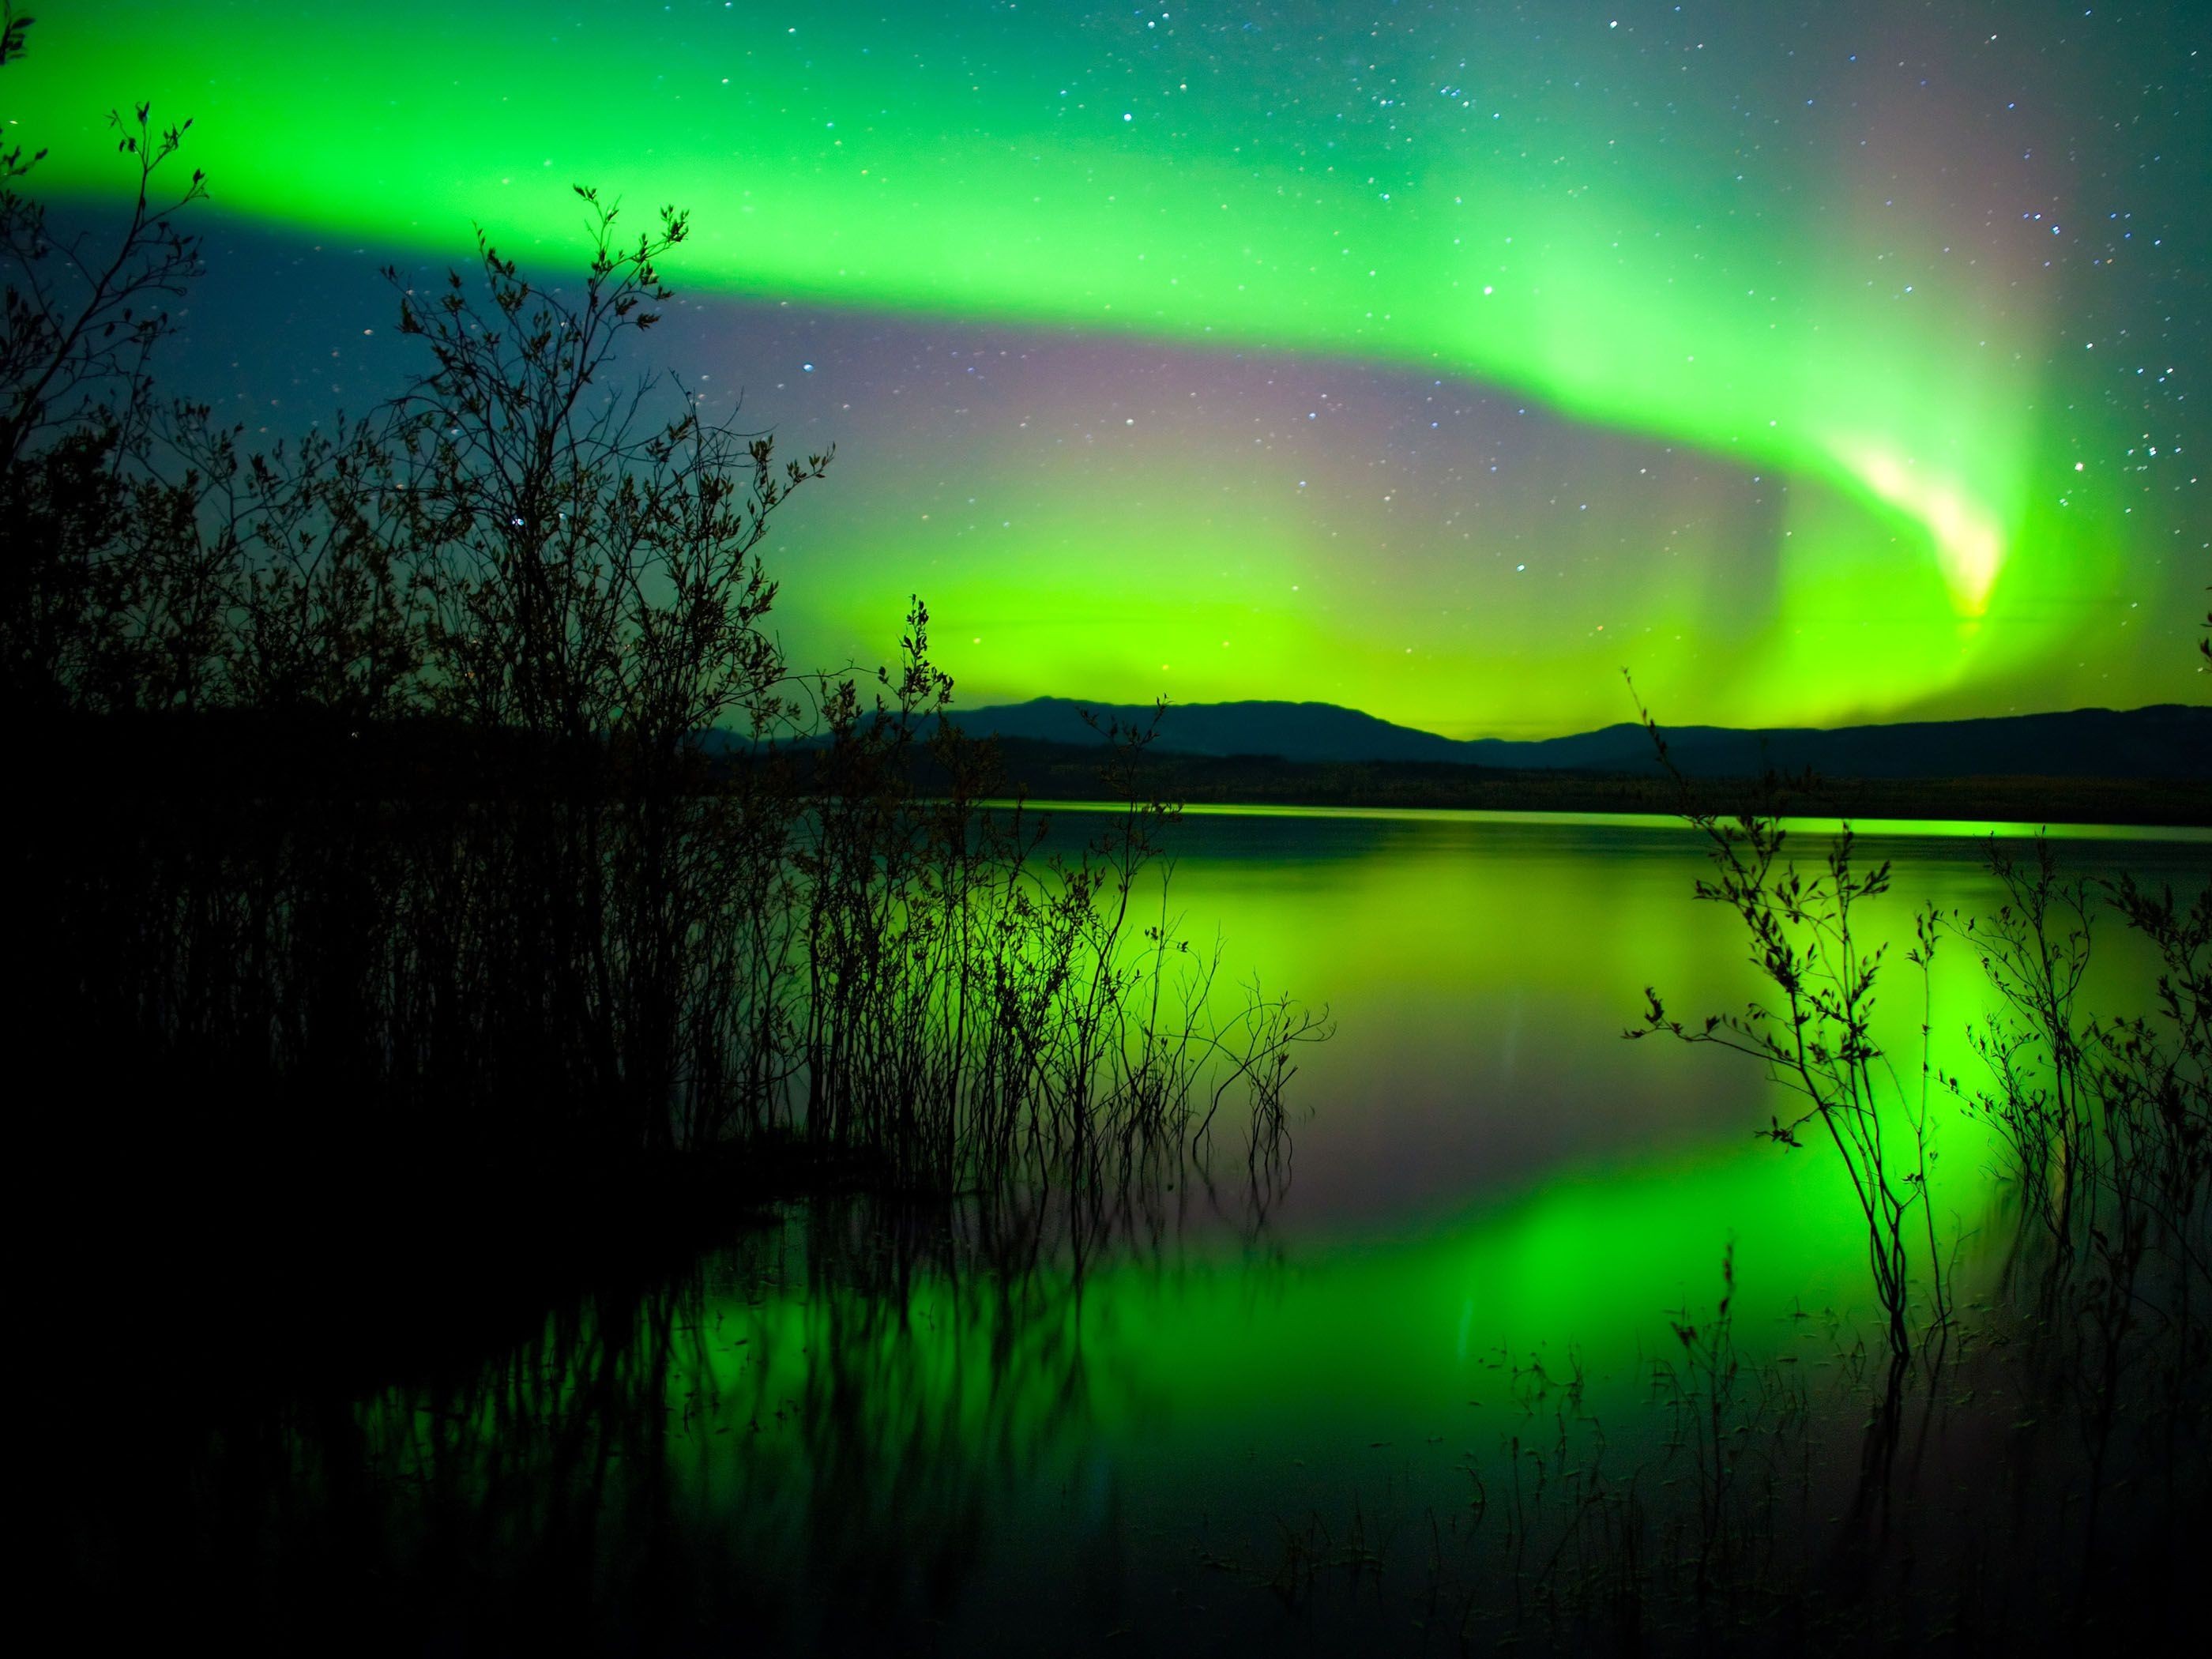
column 820, row 1429
column 374, row 805
column 1794, row 1503
column 2104, row 1123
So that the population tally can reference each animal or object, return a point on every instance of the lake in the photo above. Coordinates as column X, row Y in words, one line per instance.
column 836, row 1433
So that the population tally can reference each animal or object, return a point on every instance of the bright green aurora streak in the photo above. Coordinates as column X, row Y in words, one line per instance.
column 1671, row 223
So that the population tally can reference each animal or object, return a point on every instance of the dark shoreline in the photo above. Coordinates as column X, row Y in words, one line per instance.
column 241, row 757
column 1065, row 772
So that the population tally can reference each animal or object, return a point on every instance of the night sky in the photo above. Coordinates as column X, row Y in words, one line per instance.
column 1815, row 362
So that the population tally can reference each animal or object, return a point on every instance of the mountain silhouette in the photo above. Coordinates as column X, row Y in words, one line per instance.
column 2165, row 741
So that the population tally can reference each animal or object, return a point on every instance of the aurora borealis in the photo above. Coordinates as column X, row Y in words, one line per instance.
column 1814, row 362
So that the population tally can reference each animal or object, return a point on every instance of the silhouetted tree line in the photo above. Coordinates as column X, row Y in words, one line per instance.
column 369, row 813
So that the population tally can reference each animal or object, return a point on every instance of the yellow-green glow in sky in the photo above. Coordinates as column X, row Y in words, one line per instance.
column 1816, row 364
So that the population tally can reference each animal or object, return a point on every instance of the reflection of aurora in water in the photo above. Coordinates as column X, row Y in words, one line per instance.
column 841, row 1422
column 1813, row 379
column 832, row 1443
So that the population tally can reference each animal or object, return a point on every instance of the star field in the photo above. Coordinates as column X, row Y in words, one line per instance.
column 1815, row 362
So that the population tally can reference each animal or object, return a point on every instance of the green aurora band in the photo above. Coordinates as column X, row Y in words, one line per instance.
column 1774, row 261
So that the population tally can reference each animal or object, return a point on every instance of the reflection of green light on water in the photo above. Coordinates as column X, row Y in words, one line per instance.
column 821, row 1410
column 1172, row 1371
column 1421, row 921
column 1395, row 1336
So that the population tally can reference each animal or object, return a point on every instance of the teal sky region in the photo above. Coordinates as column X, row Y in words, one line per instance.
column 1816, row 364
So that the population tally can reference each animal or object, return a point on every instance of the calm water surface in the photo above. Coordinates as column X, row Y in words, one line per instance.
column 822, row 1435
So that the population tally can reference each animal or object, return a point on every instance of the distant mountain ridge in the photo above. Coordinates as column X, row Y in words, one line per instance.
column 2165, row 741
